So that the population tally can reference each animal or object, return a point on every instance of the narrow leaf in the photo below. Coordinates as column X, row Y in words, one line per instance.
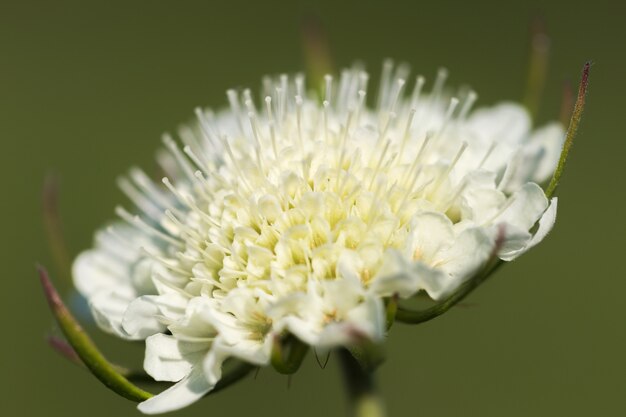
column 571, row 130
column 84, row 347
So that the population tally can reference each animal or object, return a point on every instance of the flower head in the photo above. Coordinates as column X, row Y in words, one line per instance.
column 292, row 215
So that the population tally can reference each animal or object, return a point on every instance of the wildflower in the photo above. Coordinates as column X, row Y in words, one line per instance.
column 288, row 215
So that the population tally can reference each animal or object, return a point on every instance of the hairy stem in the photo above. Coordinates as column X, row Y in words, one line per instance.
column 363, row 397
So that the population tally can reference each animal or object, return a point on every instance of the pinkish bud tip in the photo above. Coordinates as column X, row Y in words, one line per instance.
column 584, row 81
column 63, row 348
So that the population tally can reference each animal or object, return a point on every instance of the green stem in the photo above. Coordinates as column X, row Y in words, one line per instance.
column 363, row 397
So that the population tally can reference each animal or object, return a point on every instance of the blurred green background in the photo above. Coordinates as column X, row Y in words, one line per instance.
column 87, row 89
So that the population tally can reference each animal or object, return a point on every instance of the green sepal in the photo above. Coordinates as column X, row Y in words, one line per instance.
column 391, row 309
column 288, row 362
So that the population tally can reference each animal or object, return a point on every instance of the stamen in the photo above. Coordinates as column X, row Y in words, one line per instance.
column 417, row 90
column 184, row 228
column 449, row 168
column 454, row 102
column 205, row 128
column 385, row 80
column 147, row 186
column 233, row 100
column 284, row 87
column 492, row 146
column 344, row 85
column 164, row 261
column 420, row 152
column 300, row 85
column 189, row 202
column 189, row 138
column 142, row 225
column 329, row 86
column 509, row 171
column 455, row 195
column 248, row 101
column 467, row 104
column 442, row 76
column 405, row 136
column 326, row 105
column 191, row 155
column 268, row 85
column 409, row 189
column 359, row 106
column 501, row 211
column 299, row 105
column 126, row 245
column 342, row 146
column 146, row 205
column 235, row 163
column 180, row 158
column 271, row 124
column 398, row 92
column 380, row 162
column 363, row 79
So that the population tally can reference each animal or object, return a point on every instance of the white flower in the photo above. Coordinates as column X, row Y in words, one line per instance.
column 294, row 215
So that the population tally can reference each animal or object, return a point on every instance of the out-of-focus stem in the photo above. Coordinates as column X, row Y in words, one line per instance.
column 537, row 66
column 363, row 398
column 316, row 51
column 53, row 226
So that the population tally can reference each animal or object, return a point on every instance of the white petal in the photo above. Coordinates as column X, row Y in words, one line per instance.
column 189, row 390
column 341, row 295
column 108, row 308
column 349, row 266
column 169, row 359
column 515, row 239
column 469, row 252
column 141, row 318
column 459, row 262
column 396, row 276
column 550, row 140
column 369, row 318
column 257, row 352
column 480, row 200
column 505, row 123
column 546, row 223
column 305, row 330
column 528, row 205
column 430, row 231
column 94, row 270
column 365, row 320
column 213, row 361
